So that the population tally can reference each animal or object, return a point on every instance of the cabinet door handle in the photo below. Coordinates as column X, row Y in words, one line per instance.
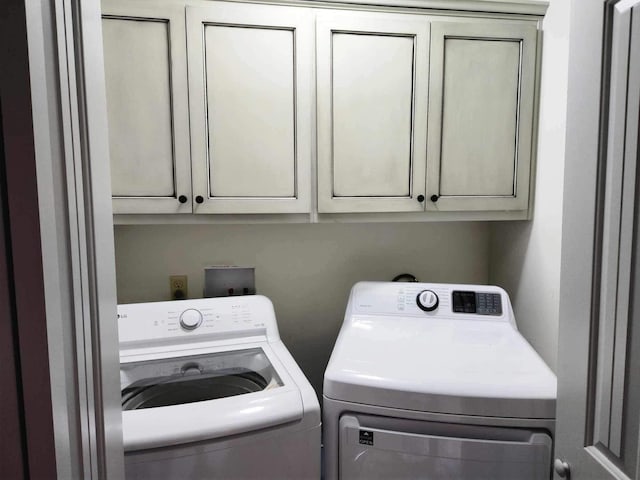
column 420, row 198
column 199, row 199
column 182, row 199
column 434, row 198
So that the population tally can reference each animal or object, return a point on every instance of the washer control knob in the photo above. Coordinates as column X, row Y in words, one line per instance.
column 190, row 319
column 427, row 300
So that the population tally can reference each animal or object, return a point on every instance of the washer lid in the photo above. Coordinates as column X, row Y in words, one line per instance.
column 182, row 399
column 462, row 367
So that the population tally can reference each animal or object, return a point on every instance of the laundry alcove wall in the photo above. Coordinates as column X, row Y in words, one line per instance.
column 307, row 270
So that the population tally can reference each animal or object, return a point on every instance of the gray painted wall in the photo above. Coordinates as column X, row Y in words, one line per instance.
column 306, row 270
column 525, row 256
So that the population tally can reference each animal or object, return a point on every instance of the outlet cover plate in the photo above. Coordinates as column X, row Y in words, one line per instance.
column 178, row 287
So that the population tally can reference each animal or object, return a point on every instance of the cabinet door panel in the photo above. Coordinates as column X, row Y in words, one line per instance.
column 479, row 121
column 250, row 102
column 145, row 66
column 367, row 67
column 250, row 93
column 371, row 111
column 481, row 116
column 136, row 144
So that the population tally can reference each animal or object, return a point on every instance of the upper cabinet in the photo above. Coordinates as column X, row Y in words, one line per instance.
column 383, row 147
column 233, row 135
column 250, row 84
column 147, row 104
column 481, row 100
column 372, row 72
column 254, row 108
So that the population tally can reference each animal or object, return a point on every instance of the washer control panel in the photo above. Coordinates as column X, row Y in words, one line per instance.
column 227, row 317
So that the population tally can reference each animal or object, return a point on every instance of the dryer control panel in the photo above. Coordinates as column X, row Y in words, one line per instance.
column 480, row 303
column 440, row 300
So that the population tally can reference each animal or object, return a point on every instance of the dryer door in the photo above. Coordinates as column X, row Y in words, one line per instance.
column 429, row 450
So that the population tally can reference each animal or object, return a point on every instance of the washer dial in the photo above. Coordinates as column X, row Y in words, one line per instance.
column 190, row 319
column 427, row 300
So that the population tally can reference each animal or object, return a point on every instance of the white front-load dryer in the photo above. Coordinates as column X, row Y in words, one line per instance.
column 434, row 381
column 210, row 391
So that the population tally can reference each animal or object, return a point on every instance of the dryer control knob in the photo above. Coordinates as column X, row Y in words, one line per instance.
column 190, row 319
column 427, row 300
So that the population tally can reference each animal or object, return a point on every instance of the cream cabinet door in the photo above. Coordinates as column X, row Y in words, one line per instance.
column 481, row 99
column 147, row 104
column 372, row 97
column 250, row 88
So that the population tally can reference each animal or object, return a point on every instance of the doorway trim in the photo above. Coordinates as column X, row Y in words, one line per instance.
column 76, row 230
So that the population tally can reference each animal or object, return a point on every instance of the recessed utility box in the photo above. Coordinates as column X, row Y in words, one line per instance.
column 226, row 281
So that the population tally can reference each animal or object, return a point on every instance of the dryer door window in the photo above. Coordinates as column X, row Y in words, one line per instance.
column 196, row 378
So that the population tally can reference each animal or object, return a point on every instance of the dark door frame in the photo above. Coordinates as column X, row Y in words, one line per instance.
column 26, row 416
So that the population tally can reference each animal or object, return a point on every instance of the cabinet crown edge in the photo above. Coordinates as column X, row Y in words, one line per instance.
column 536, row 8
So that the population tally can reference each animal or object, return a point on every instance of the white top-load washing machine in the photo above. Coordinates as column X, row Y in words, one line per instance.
column 210, row 391
column 434, row 381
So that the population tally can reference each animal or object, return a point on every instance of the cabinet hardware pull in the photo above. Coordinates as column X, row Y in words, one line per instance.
column 562, row 468
column 434, row 198
column 420, row 198
column 182, row 199
column 199, row 199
